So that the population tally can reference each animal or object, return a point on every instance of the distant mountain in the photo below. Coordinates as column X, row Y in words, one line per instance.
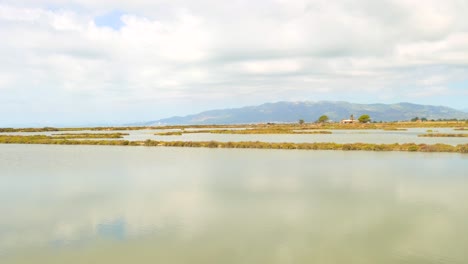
column 311, row 111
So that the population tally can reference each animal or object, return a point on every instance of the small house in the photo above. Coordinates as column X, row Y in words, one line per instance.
column 351, row 120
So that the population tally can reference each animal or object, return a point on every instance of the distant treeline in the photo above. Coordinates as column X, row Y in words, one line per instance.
column 285, row 126
column 443, row 135
column 73, row 136
column 89, row 135
column 423, row 119
column 43, row 129
column 54, row 129
column 462, row 148
column 244, row 131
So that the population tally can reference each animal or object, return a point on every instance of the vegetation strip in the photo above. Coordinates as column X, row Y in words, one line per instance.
column 171, row 133
column 267, row 131
column 443, row 135
column 242, row 132
column 89, row 135
column 458, row 125
column 462, row 148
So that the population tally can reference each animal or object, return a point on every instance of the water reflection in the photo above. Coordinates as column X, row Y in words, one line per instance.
column 82, row 204
column 337, row 136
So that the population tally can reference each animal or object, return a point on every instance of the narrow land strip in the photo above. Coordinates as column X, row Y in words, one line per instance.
column 462, row 148
column 263, row 131
column 443, row 135
column 457, row 125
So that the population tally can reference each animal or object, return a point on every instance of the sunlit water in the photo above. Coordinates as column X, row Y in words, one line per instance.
column 338, row 136
column 103, row 204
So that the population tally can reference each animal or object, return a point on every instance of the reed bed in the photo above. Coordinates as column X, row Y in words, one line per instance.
column 242, row 132
column 89, row 135
column 459, row 125
column 443, row 135
column 411, row 147
column 171, row 133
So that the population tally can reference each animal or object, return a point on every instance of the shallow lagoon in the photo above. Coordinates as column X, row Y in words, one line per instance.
column 102, row 204
column 371, row 136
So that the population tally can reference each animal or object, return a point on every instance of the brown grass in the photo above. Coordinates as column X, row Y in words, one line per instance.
column 462, row 148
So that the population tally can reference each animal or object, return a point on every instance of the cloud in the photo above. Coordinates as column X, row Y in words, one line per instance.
column 178, row 57
column 429, row 91
column 111, row 19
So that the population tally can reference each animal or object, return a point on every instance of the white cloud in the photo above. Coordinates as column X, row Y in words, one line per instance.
column 270, row 66
column 429, row 91
column 5, row 81
column 169, row 52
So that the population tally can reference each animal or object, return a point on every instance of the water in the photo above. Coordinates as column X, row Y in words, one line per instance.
column 337, row 136
column 103, row 204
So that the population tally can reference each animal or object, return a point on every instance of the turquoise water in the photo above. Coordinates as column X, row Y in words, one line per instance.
column 103, row 204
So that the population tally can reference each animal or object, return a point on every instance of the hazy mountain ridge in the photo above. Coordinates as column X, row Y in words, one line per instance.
column 310, row 111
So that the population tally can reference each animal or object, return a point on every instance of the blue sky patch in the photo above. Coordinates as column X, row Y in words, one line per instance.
column 111, row 20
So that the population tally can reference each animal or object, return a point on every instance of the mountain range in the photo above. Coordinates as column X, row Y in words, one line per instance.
column 311, row 111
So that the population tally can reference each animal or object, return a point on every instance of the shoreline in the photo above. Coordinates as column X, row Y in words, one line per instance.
column 396, row 126
column 406, row 147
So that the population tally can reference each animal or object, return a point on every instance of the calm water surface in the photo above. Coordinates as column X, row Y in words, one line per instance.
column 101, row 204
column 372, row 136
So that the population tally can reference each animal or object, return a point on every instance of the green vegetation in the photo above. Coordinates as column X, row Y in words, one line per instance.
column 459, row 125
column 415, row 119
column 323, row 119
column 244, row 131
column 313, row 132
column 53, row 129
column 43, row 129
column 462, row 148
column 301, row 121
column 395, row 129
column 389, row 125
column 42, row 139
column 364, row 119
column 443, row 135
column 267, row 131
column 171, row 133
column 89, row 135
column 66, row 135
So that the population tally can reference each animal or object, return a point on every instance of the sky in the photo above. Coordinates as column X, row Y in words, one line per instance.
column 98, row 62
